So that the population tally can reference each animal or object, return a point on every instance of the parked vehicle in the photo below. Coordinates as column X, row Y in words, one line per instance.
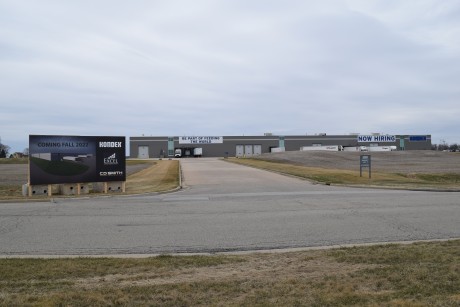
column 380, row 148
column 197, row 152
column 355, row 148
column 178, row 153
column 277, row 149
column 323, row 148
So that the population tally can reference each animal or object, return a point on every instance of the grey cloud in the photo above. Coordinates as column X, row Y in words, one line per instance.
column 228, row 67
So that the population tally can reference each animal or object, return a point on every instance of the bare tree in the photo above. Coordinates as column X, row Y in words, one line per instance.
column 4, row 149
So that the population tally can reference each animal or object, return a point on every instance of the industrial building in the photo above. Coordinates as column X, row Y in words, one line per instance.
column 245, row 146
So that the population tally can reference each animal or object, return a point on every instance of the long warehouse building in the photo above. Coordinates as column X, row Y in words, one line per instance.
column 238, row 146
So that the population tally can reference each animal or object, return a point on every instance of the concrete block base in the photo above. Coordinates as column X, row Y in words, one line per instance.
column 112, row 187
column 37, row 190
column 73, row 189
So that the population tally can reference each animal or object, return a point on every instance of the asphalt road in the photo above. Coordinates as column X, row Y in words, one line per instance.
column 227, row 207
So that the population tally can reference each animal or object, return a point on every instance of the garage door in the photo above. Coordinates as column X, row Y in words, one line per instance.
column 257, row 150
column 239, row 150
column 143, row 152
column 248, row 150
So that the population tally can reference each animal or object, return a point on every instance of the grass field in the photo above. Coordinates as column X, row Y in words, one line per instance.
column 448, row 181
column 162, row 176
column 14, row 160
column 421, row 274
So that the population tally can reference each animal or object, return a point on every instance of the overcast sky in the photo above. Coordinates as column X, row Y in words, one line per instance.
column 216, row 68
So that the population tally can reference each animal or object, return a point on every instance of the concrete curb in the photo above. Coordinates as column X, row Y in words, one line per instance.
column 230, row 253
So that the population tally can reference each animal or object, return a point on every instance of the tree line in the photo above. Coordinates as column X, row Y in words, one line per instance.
column 5, row 151
column 445, row 147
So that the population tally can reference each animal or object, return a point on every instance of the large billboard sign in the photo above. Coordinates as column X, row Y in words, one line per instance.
column 76, row 159
column 201, row 140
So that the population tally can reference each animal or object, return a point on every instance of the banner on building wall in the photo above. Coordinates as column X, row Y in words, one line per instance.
column 377, row 138
column 417, row 138
column 201, row 140
column 76, row 159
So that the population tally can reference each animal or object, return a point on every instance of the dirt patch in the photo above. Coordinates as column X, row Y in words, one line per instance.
column 262, row 267
column 406, row 162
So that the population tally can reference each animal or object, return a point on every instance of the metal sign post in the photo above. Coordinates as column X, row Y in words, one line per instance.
column 364, row 161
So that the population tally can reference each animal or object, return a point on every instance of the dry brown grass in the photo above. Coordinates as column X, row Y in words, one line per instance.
column 349, row 177
column 162, row 176
column 14, row 160
column 390, row 275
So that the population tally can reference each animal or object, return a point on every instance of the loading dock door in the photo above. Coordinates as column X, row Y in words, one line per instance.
column 248, row 150
column 143, row 152
column 239, row 150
